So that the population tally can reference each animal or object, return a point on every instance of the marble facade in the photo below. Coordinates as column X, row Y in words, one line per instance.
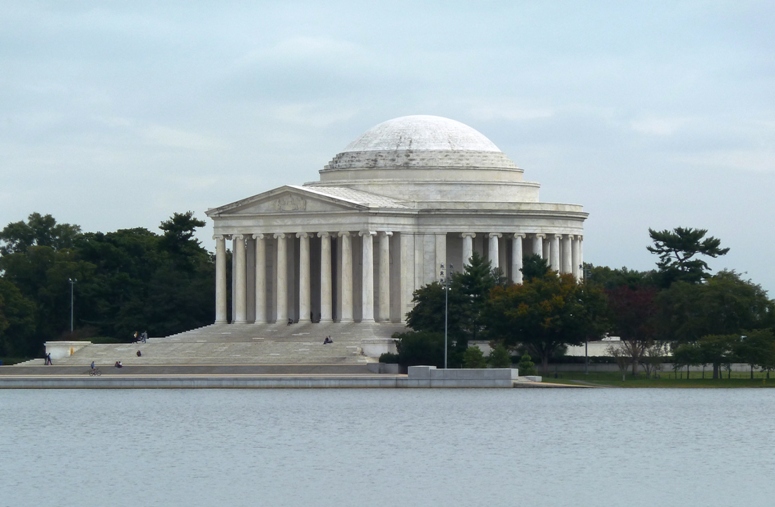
column 407, row 196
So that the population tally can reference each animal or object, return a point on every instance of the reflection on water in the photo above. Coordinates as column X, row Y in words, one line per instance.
column 387, row 447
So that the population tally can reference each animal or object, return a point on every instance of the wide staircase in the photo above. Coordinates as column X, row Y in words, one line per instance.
column 246, row 344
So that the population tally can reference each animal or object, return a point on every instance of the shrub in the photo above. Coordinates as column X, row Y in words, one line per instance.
column 420, row 348
column 526, row 365
column 388, row 358
column 499, row 357
column 474, row 358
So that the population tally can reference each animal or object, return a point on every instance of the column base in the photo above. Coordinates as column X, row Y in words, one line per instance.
column 325, row 321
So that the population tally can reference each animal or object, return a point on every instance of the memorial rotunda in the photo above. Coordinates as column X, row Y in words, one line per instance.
column 407, row 196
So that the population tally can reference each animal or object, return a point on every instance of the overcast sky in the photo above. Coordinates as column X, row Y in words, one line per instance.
column 116, row 114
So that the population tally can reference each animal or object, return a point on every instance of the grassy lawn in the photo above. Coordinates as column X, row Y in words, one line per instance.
column 667, row 379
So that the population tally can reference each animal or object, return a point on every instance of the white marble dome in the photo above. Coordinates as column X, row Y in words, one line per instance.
column 422, row 133
column 420, row 142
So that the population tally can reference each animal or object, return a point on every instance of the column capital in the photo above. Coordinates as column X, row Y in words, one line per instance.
column 324, row 234
column 219, row 236
column 259, row 236
column 467, row 234
column 385, row 233
column 494, row 235
column 558, row 236
column 343, row 234
column 302, row 235
column 279, row 235
column 540, row 235
column 519, row 235
column 367, row 233
column 571, row 236
column 238, row 236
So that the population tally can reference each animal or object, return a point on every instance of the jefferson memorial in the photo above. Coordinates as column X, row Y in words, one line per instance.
column 405, row 199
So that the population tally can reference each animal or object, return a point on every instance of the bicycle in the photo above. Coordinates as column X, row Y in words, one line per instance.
column 95, row 372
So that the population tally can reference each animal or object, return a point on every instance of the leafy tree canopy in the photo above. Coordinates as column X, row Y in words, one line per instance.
column 38, row 230
column 726, row 304
column 544, row 314
column 678, row 250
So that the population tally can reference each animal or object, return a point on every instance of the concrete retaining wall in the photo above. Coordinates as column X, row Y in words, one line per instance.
column 419, row 377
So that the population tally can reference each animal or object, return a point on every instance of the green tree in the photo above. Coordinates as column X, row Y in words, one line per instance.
column 543, row 314
column 610, row 278
column 687, row 354
column 757, row 348
column 38, row 230
column 499, row 357
column 533, row 266
column 420, row 348
column 469, row 291
column 725, row 304
column 17, row 322
column 678, row 250
column 474, row 358
column 717, row 350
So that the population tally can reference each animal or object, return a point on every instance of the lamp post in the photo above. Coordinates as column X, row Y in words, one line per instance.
column 445, row 283
column 72, row 283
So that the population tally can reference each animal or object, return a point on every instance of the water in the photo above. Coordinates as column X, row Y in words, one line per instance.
column 387, row 447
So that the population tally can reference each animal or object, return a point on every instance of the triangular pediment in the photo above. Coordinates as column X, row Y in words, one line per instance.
column 286, row 199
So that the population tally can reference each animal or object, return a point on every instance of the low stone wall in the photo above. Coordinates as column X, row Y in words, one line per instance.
column 418, row 377
column 430, row 376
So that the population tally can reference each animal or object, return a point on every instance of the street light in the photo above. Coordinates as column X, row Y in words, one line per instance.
column 445, row 284
column 72, row 283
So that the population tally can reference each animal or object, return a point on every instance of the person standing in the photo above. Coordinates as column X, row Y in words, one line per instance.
column 48, row 359
column 144, row 336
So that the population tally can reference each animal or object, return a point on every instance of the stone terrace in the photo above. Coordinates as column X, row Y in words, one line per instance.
column 247, row 344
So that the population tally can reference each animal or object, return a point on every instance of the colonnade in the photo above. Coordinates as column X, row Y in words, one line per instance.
column 331, row 277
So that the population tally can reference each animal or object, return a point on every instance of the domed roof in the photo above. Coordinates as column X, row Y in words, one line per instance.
column 420, row 142
column 422, row 133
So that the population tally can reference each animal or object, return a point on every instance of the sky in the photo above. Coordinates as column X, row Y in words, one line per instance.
column 658, row 114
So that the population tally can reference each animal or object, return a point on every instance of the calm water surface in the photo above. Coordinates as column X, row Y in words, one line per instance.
column 387, row 447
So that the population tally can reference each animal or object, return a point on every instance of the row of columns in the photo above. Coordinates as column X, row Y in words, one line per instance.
column 281, row 285
column 563, row 251
column 568, row 260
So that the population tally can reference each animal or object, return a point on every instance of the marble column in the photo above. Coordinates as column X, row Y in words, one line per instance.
column 241, row 280
column 367, row 286
column 326, row 306
column 493, row 249
column 468, row 247
column 516, row 258
column 220, row 280
column 384, row 276
column 575, row 257
column 567, row 264
column 554, row 256
column 305, row 302
column 260, row 279
column 347, row 278
column 538, row 245
column 281, row 286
